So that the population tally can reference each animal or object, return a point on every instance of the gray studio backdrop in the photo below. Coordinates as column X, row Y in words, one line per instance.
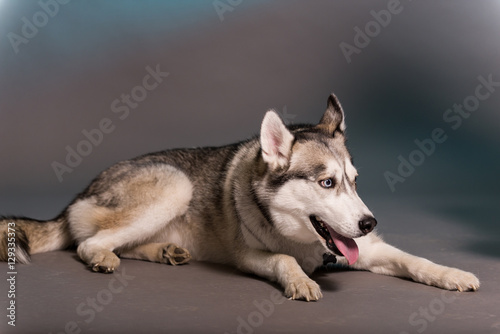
column 84, row 84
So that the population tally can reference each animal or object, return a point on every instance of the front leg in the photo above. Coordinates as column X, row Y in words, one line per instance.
column 283, row 269
column 379, row 257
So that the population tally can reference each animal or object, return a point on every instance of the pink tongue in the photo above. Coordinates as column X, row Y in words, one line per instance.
column 345, row 245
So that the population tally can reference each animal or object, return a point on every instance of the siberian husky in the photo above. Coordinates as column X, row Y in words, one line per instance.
column 279, row 206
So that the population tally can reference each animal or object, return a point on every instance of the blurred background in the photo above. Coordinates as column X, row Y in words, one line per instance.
column 397, row 67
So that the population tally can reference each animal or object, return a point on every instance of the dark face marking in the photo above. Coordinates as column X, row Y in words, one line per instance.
column 314, row 148
column 311, row 173
column 277, row 180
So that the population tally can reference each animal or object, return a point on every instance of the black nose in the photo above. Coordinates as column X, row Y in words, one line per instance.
column 367, row 224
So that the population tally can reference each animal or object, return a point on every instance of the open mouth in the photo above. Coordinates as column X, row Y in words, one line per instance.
column 335, row 242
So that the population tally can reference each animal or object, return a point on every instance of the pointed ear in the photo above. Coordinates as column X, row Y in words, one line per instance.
column 275, row 140
column 333, row 119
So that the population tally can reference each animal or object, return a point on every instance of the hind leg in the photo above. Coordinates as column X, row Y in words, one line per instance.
column 168, row 253
column 99, row 258
column 147, row 201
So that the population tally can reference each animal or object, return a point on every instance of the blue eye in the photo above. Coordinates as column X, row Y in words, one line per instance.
column 327, row 183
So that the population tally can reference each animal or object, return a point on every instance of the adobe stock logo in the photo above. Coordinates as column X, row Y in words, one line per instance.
column 372, row 29
column 40, row 19
column 452, row 116
column 122, row 108
column 223, row 6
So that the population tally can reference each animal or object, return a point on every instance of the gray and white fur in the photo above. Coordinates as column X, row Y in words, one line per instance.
column 273, row 206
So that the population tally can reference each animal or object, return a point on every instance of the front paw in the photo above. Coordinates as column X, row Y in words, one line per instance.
column 456, row 279
column 303, row 288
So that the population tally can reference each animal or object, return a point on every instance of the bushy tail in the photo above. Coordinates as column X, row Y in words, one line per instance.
column 21, row 237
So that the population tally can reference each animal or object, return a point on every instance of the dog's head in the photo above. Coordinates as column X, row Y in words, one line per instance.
column 310, row 183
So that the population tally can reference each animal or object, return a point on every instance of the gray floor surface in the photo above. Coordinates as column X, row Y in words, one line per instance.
column 58, row 294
